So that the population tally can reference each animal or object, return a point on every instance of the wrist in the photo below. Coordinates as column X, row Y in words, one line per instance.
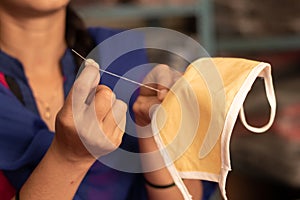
column 57, row 171
column 67, row 155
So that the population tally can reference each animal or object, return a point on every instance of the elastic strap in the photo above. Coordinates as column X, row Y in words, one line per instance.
column 266, row 74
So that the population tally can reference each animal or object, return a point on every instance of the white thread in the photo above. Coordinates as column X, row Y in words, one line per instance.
column 116, row 75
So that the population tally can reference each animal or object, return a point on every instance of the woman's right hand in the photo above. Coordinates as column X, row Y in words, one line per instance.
column 92, row 121
column 90, row 124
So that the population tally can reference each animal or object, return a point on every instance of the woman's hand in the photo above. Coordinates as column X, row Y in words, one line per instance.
column 161, row 77
column 92, row 120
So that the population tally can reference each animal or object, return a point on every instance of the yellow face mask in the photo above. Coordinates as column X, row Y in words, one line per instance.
column 193, row 125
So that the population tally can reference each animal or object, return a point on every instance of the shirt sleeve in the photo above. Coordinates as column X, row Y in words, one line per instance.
column 24, row 139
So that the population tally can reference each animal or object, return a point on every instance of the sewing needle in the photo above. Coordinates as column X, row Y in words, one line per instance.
column 121, row 77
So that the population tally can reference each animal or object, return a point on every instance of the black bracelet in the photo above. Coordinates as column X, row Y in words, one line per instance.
column 159, row 186
column 17, row 196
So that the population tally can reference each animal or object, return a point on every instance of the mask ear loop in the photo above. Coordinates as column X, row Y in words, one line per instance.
column 266, row 74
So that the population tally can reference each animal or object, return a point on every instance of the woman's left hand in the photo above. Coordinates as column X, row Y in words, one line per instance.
column 161, row 77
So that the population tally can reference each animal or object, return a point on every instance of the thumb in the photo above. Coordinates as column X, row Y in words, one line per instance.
column 86, row 83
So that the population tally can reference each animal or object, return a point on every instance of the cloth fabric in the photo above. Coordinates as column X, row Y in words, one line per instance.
column 25, row 137
column 193, row 125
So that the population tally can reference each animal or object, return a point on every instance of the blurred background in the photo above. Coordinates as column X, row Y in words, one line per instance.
column 265, row 166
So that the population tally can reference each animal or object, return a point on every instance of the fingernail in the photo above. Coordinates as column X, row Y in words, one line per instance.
column 91, row 62
column 162, row 94
column 88, row 62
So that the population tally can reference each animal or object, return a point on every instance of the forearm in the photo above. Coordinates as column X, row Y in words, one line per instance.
column 160, row 176
column 56, row 177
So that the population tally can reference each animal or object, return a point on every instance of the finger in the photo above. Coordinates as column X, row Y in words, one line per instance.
column 164, row 85
column 142, row 108
column 165, row 80
column 104, row 99
column 145, row 91
column 159, row 77
column 114, row 117
column 164, row 76
column 86, row 83
column 119, row 131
